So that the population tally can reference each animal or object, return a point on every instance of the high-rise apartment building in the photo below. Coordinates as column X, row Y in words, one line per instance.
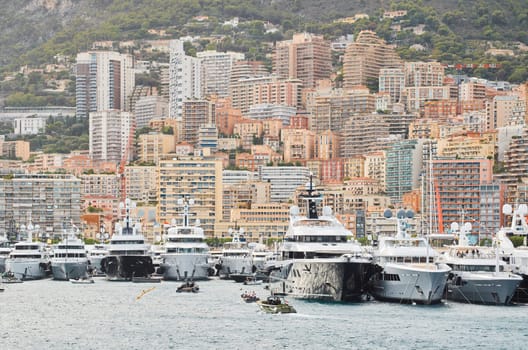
column 216, row 68
column 49, row 201
column 284, row 180
column 457, row 185
column 110, row 133
column 196, row 113
column 150, row 107
column 365, row 57
column 185, row 78
column 403, row 168
column 306, row 57
column 198, row 179
column 363, row 133
column 424, row 74
column 103, row 81
column 392, row 81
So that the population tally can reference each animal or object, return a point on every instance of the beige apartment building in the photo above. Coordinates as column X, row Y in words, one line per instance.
column 196, row 178
column 141, row 183
column 306, row 57
column 468, row 146
column 153, row 145
column 298, row 144
column 365, row 57
column 261, row 222
column 247, row 130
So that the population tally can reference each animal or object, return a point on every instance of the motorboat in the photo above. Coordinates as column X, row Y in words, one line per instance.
column 252, row 281
column 184, row 253
column 69, row 259
column 85, row 280
column 249, row 296
column 477, row 274
column 318, row 260
column 188, row 287
column 276, row 304
column 128, row 254
column 408, row 267
column 235, row 262
column 29, row 260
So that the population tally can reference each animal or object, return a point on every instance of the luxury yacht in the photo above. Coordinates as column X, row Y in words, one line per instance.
column 128, row 254
column 69, row 258
column 96, row 254
column 517, row 257
column 185, row 252
column 235, row 261
column 29, row 260
column 5, row 249
column 409, row 271
column 317, row 258
column 477, row 274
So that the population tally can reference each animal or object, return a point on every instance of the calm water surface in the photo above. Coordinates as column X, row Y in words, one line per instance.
column 50, row 314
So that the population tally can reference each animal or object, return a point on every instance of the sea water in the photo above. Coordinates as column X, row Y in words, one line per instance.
column 49, row 314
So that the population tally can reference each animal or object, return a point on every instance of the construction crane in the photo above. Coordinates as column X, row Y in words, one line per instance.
column 124, row 161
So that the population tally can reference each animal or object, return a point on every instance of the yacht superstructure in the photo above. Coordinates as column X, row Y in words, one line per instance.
column 69, row 259
column 409, row 271
column 185, row 252
column 128, row 254
column 477, row 274
column 317, row 258
column 29, row 260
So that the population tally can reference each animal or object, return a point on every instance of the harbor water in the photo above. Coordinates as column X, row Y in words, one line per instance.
column 49, row 314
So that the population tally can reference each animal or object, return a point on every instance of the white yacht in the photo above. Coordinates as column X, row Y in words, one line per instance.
column 477, row 274
column 5, row 249
column 185, row 254
column 29, row 260
column 128, row 254
column 95, row 254
column 236, row 262
column 317, row 258
column 69, row 258
column 516, row 256
column 409, row 271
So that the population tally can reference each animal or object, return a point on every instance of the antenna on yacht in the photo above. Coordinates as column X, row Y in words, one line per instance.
column 311, row 198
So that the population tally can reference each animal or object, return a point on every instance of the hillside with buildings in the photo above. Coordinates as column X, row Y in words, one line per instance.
column 200, row 110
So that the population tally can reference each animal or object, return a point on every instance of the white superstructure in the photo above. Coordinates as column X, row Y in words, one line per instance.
column 318, row 258
column 29, row 260
column 236, row 255
column 409, row 271
column 477, row 274
column 69, row 258
column 185, row 252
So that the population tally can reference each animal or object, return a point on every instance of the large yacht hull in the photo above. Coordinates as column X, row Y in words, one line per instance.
column 521, row 293
column 70, row 269
column 181, row 267
column 482, row 288
column 324, row 279
column 410, row 284
column 124, row 267
column 28, row 269
column 232, row 266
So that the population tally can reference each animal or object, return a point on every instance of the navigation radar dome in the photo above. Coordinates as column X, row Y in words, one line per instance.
column 467, row 226
column 523, row 209
column 180, row 201
column 410, row 214
column 387, row 213
column 401, row 214
column 454, row 226
column 507, row 209
column 327, row 211
column 294, row 210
